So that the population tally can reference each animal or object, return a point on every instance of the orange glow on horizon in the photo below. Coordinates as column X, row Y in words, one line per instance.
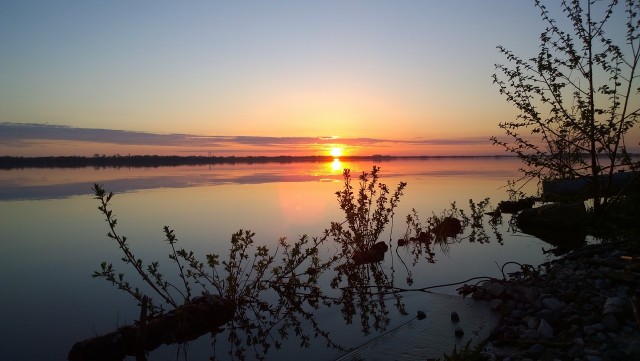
column 39, row 148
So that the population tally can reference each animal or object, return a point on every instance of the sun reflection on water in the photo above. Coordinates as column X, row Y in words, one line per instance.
column 336, row 165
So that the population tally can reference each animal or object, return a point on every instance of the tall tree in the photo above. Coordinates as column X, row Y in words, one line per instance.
column 579, row 97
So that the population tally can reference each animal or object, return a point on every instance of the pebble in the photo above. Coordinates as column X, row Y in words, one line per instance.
column 545, row 330
column 610, row 322
column 553, row 304
column 589, row 330
column 633, row 347
column 560, row 309
column 495, row 303
column 536, row 350
column 495, row 290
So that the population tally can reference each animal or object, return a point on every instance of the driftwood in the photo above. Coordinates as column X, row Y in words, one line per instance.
column 204, row 314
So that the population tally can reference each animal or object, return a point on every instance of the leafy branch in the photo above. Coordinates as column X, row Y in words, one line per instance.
column 107, row 271
column 577, row 98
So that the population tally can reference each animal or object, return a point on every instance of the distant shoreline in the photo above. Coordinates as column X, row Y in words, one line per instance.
column 141, row 161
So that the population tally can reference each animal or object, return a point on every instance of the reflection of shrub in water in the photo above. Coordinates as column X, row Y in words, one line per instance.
column 367, row 213
column 273, row 292
column 451, row 226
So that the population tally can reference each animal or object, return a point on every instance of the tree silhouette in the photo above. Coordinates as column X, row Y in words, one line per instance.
column 578, row 97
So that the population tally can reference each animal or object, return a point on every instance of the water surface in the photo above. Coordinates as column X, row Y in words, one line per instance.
column 52, row 238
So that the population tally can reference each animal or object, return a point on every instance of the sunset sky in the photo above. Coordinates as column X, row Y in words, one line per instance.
column 256, row 77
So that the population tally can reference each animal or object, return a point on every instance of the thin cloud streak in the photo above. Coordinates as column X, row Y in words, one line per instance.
column 17, row 134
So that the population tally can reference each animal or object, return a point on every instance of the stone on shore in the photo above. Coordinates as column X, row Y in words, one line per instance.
column 567, row 308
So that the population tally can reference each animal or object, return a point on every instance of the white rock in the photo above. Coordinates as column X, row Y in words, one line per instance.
column 544, row 329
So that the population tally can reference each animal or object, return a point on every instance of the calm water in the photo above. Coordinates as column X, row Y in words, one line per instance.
column 52, row 238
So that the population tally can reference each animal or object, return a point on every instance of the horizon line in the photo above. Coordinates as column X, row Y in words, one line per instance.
column 14, row 162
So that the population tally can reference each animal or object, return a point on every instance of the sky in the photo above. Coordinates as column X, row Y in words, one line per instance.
column 294, row 77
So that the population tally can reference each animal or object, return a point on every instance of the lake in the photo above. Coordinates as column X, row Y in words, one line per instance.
column 52, row 238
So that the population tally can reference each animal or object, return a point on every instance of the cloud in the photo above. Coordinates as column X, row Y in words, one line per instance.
column 15, row 132
column 20, row 134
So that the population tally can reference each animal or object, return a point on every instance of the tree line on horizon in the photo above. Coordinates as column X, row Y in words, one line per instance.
column 119, row 161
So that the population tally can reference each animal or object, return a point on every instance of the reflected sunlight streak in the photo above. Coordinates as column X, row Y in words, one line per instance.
column 336, row 165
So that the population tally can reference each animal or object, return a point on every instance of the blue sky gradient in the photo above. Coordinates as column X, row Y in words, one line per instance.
column 397, row 70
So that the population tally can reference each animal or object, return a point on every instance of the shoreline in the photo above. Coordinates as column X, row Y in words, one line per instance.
column 141, row 161
column 577, row 307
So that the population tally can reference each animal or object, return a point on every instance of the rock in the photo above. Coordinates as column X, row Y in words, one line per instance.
column 613, row 305
column 459, row 332
column 593, row 358
column 633, row 349
column 592, row 352
column 372, row 255
column 509, row 333
column 495, row 290
column 495, row 303
column 536, row 350
column 574, row 320
column 545, row 330
column 380, row 247
column 558, row 304
column 528, row 294
column 575, row 352
column 560, row 224
column 555, row 215
column 589, row 330
column 600, row 337
column 516, row 314
column 610, row 322
column 478, row 294
column 455, row 317
column 530, row 335
column 621, row 276
column 615, row 354
column 553, row 304
column 548, row 315
column 420, row 315
column 447, row 227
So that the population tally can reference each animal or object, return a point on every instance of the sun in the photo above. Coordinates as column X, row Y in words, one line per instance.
column 336, row 152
